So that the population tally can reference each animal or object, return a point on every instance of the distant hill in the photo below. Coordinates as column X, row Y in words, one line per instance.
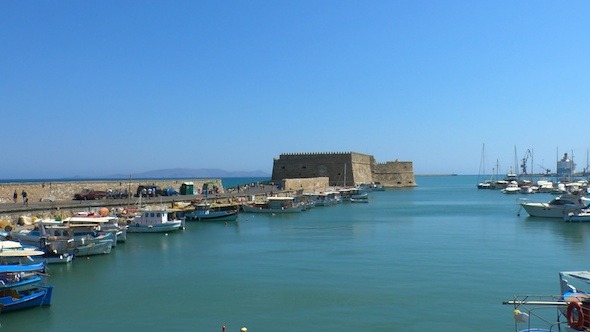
column 184, row 173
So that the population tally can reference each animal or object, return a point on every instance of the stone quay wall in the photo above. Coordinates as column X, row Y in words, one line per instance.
column 63, row 191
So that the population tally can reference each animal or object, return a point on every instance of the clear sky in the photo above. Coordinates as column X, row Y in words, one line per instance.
column 93, row 88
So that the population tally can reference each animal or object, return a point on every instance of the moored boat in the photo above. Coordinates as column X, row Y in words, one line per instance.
column 511, row 188
column 18, row 276
column 109, row 224
column 567, row 311
column 558, row 207
column 212, row 212
column 274, row 204
column 154, row 220
column 12, row 299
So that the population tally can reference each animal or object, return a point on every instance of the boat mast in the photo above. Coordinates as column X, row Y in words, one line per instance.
column 482, row 163
column 515, row 163
column 344, row 175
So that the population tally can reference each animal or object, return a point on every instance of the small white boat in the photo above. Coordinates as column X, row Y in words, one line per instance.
column 361, row 197
column 511, row 188
column 156, row 220
column 582, row 215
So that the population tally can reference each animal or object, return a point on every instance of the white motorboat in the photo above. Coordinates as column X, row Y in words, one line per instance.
column 511, row 188
column 558, row 207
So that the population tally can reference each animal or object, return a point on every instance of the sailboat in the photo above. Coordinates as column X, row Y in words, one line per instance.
column 488, row 184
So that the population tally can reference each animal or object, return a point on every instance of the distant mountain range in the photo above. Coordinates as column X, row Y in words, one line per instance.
column 187, row 173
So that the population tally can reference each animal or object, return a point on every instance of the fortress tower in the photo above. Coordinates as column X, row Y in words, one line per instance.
column 343, row 169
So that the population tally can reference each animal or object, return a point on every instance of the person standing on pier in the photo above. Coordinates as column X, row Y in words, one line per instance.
column 15, row 196
column 25, row 199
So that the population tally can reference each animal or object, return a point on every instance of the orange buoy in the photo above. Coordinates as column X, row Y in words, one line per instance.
column 103, row 212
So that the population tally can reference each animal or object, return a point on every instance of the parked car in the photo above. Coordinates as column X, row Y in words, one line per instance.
column 118, row 194
column 50, row 198
column 90, row 194
column 167, row 192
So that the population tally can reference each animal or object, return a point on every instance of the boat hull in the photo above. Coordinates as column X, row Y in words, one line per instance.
column 581, row 217
column 55, row 258
column 255, row 209
column 543, row 210
column 96, row 248
column 157, row 228
column 214, row 216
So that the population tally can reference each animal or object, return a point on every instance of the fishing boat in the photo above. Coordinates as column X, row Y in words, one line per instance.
column 108, row 224
column 558, row 207
column 57, row 238
column 274, row 204
column 12, row 299
column 53, row 257
column 154, row 220
column 16, row 271
column 16, row 276
column 212, row 212
column 86, row 239
column 567, row 311
column 49, row 254
column 328, row 198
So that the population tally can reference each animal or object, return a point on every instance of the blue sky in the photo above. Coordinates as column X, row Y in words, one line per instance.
column 91, row 88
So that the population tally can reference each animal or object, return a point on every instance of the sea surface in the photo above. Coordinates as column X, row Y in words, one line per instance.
column 438, row 257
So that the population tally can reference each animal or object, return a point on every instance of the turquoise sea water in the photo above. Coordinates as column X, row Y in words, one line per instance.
column 441, row 256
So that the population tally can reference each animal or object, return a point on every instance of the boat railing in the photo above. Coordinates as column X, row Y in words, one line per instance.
column 539, row 313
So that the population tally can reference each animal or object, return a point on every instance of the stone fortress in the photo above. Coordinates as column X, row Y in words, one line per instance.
column 343, row 169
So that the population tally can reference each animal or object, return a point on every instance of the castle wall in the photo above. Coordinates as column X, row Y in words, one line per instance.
column 394, row 174
column 309, row 185
column 342, row 169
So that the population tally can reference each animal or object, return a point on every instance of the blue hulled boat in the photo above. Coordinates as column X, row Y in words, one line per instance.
column 12, row 299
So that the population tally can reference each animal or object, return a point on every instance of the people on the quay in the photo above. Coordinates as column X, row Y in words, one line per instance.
column 15, row 196
column 25, row 199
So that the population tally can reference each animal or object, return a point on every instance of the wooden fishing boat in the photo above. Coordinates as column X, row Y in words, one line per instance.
column 273, row 205
column 212, row 212
column 155, row 220
column 12, row 299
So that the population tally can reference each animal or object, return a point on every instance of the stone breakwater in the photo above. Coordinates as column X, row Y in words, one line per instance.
column 64, row 191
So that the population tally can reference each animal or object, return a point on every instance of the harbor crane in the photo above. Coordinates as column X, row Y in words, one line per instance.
column 526, row 157
column 547, row 170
